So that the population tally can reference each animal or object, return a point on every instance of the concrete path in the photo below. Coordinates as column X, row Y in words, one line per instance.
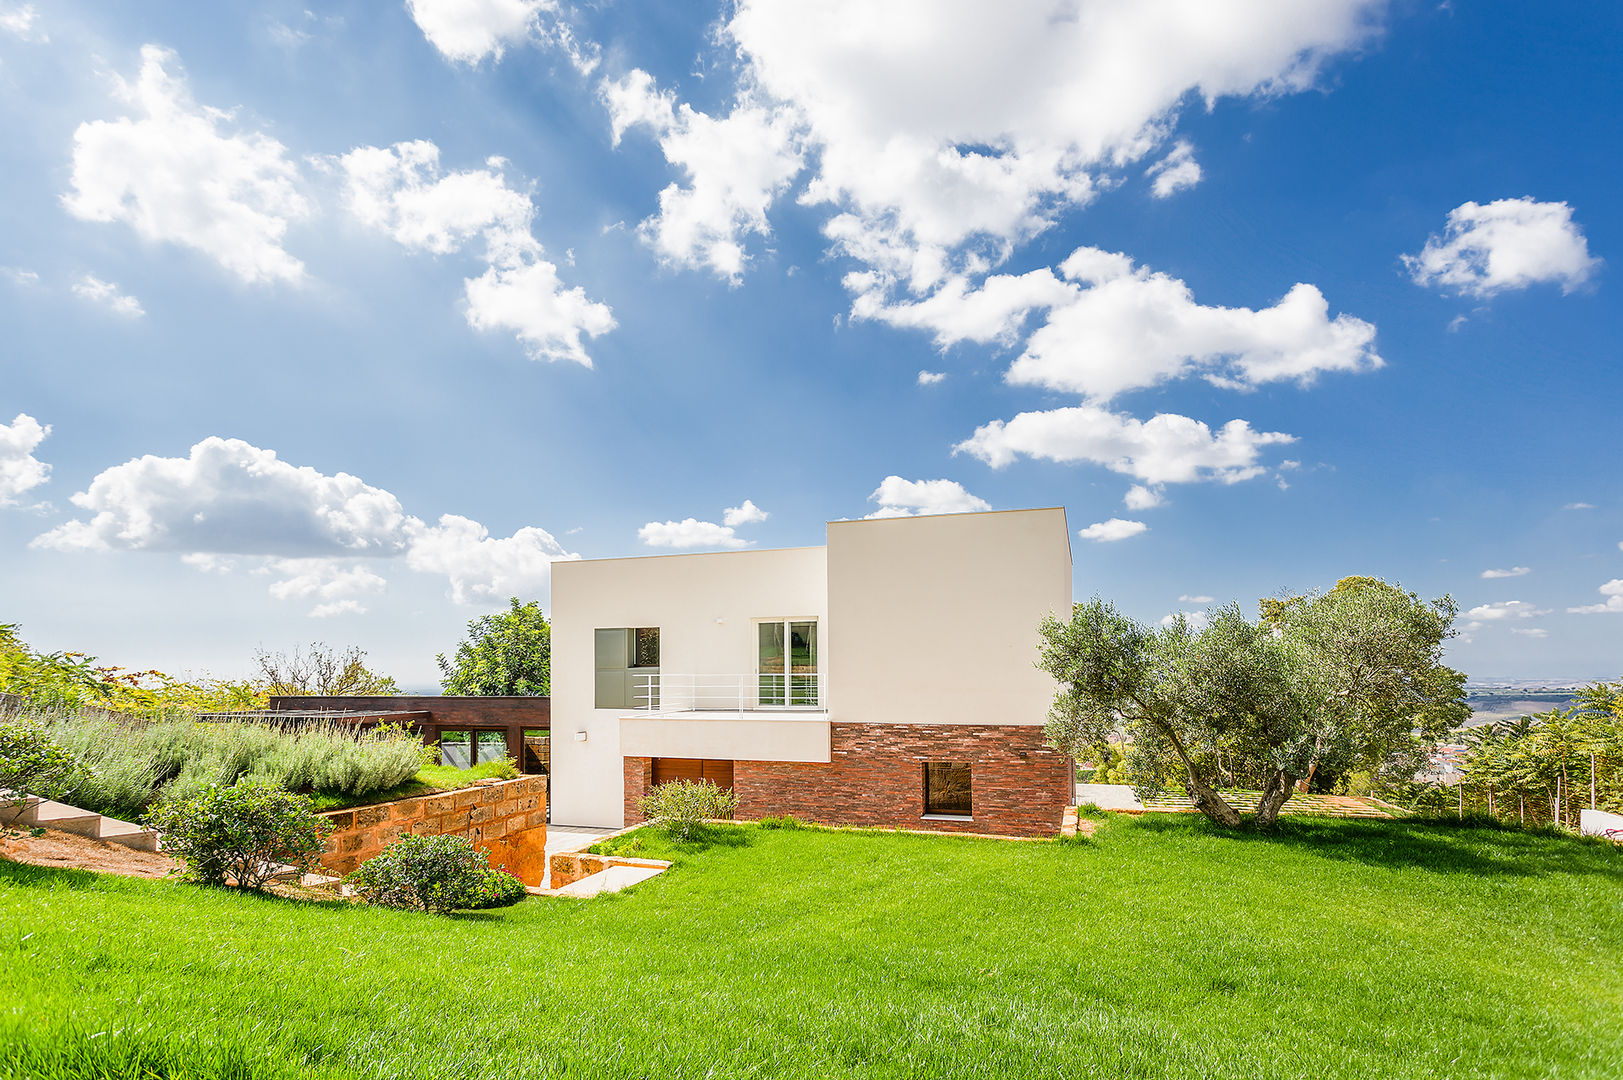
column 1108, row 796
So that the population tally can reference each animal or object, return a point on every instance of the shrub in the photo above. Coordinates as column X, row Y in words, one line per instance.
column 32, row 763
column 136, row 763
column 243, row 832
column 434, row 873
column 499, row 889
column 680, row 805
column 787, row 821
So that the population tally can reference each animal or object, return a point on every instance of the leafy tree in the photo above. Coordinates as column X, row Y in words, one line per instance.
column 74, row 680
column 32, row 763
column 509, row 653
column 323, row 672
column 1334, row 681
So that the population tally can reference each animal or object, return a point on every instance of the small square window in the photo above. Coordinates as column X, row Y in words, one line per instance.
column 947, row 788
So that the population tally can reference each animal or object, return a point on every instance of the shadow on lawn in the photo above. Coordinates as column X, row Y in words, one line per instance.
column 27, row 874
column 1443, row 847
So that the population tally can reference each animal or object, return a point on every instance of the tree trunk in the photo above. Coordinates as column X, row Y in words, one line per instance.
column 1274, row 794
column 1206, row 798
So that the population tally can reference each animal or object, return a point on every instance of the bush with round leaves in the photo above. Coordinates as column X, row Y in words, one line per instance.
column 434, row 873
column 247, row 832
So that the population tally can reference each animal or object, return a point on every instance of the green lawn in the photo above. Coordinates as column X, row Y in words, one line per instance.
column 1158, row 949
column 429, row 779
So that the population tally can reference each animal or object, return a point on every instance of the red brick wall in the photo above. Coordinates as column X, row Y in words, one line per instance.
column 507, row 820
column 1020, row 785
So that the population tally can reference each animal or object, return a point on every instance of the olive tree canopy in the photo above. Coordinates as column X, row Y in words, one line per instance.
column 1350, row 678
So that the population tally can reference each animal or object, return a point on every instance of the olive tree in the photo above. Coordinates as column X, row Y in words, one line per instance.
column 1350, row 678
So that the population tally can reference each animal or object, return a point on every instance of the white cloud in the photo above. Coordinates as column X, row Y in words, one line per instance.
column 1175, row 172
column 108, row 294
column 176, row 174
column 736, row 167
column 329, row 581
column 20, row 277
column 1514, row 571
column 337, row 607
column 1507, row 244
column 401, row 190
column 1194, row 599
column 689, row 533
column 1166, row 449
column 747, row 514
column 531, row 301
column 228, row 497
column 1613, row 591
column 1579, row 506
column 1530, row 631
column 1139, row 497
column 959, row 311
column 21, row 20
column 930, row 378
column 940, row 124
column 483, row 567
column 1197, row 620
column 470, row 30
column 1114, row 529
column 324, row 579
column 1506, row 609
column 1113, row 328
column 904, row 498
column 20, row 471
column 943, row 132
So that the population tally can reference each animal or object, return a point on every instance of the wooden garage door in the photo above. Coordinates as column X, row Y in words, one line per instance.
column 719, row 773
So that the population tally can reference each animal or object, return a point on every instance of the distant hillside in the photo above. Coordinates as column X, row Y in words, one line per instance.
column 1507, row 701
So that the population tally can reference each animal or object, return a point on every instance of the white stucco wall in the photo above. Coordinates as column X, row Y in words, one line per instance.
column 934, row 619
column 705, row 607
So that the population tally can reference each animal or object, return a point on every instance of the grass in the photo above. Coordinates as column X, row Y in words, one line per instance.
column 1160, row 948
column 429, row 779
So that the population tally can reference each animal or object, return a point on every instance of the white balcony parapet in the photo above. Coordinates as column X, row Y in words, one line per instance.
column 669, row 692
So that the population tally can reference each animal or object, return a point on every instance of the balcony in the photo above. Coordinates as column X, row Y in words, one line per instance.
column 731, row 717
column 667, row 692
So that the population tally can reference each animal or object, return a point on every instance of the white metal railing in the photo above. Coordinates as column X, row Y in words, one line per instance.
column 673, row 692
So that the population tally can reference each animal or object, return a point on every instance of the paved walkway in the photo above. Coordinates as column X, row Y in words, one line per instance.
column 1120, row 797
column 1108, row 797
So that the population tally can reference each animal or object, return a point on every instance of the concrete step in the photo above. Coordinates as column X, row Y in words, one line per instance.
column 46, row 814
column 114, row 831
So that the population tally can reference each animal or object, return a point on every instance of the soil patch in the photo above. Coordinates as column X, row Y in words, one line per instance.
column 69, row 850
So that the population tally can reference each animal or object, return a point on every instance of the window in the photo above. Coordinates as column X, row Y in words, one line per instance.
column 627, row 666
column 461, row 749
column 946, row 788
column 786, row 662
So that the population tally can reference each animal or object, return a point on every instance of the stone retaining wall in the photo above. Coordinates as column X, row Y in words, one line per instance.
column 507, row 819
column 571, row 866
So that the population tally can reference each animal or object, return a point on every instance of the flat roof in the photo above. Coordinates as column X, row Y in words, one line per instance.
column 812, row 547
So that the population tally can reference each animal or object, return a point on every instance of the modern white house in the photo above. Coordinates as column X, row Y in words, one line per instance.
column 886, row 678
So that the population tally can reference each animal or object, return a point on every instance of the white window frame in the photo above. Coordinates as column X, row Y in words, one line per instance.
column 755, row 647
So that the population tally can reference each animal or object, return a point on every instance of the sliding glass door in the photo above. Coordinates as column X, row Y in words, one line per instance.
column 786, row 663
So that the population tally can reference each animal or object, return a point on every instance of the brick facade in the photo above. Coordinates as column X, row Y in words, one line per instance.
column 507, row 820
column 1020, row 785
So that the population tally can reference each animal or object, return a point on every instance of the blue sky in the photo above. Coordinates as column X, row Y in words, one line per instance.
column 347, row 319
